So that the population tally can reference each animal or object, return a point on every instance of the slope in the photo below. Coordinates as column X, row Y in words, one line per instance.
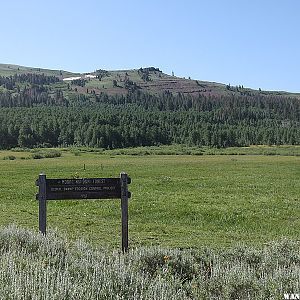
column 151, row 80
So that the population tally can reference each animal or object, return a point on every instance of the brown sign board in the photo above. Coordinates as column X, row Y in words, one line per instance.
column 84, row 188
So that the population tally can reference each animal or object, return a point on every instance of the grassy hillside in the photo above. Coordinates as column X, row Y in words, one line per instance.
column 150, row 80
column 177, row 201
column 8, row 70
column 52, row 267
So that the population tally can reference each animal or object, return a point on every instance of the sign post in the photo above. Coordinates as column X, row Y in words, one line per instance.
column 42, row 203
column 82, row 189
column 124, row 209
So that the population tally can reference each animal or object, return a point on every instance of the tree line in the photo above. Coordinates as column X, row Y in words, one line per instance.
column 39, row 115
column 10, row 82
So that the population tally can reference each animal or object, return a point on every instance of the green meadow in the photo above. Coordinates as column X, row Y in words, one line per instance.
column 182, row 201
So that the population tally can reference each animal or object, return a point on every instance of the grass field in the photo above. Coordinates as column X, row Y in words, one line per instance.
column 177, row 201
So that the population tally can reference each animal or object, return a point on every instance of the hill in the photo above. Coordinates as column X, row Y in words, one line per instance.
column 150, row 80
column 9, row 70
column 144, row 107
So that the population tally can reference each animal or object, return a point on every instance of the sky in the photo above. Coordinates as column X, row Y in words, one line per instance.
column 254, row 43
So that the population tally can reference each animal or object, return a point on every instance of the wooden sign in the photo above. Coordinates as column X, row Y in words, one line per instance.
column 84, row 188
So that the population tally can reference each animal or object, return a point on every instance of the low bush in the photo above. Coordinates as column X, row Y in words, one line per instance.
column 76, row 153
column 46, row 154
column 52, row 154
column 37, row 156
column 9, row 157
column 33, row 266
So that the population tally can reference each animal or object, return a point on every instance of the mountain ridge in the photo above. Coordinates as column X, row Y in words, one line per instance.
column 150, row 80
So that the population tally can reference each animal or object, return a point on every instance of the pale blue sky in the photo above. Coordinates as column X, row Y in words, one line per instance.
column 255, row 43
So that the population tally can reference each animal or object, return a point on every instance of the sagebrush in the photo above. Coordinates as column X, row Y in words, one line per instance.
column 36, row 267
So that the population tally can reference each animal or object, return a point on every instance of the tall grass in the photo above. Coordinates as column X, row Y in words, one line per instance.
column 36, row 267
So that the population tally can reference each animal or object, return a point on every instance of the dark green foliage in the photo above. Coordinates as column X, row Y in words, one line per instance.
column 80, row 82
column 27, row 90
column 10, row 157
column 101, row 74
column 46, row 154
column 38, row 79
column 131, row 86
column 37, row 156
column 145, row 73
column 36, row 115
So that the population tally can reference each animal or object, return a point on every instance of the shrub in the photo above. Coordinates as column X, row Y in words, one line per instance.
column 37, row 156
column 76, row 152
column 52, row 154
column 9, row 157
column 46, row 154
column 33, row 266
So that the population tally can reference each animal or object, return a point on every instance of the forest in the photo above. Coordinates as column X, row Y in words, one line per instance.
column 36, row 111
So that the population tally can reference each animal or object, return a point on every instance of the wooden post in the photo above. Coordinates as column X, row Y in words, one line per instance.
column 124, row 208
column 88, row 188
column 42, row 203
